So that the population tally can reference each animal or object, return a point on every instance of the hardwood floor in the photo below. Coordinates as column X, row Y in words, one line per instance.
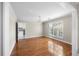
column 41, row 46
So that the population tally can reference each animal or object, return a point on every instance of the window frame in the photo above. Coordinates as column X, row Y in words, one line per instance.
column 56, row 26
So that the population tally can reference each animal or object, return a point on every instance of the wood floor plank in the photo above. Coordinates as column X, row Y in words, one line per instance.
column 41, row 46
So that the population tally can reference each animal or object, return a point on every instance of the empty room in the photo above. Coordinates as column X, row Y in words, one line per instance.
column 39, row 29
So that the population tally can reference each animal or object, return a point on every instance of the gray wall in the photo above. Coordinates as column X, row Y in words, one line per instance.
column 78, row 32
column 0, row 28
column 1, row 20
column 78, row 26
column 67, row 27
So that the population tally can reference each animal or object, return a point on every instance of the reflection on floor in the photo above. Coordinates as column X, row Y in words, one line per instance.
column 41, row 46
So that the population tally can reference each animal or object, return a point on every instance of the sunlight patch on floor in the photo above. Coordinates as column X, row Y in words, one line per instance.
column 55, row 49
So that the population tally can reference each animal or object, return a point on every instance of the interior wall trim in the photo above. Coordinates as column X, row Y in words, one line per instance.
column 58, row 40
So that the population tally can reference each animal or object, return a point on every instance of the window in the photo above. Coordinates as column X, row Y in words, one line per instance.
column 56, row 29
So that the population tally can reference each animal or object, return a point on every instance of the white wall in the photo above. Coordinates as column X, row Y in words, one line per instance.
column 77, row 9
column 32, row 29
column 74, row 33
column 9, row 33
column 12, row 28
column 67, row 28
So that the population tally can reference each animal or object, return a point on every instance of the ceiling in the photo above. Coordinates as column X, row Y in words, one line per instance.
column 74, row 4
column 38, row 11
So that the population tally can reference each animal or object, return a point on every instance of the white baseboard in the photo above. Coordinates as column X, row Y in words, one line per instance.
column 32, row 37
column 12, row 48
column 59, row 40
